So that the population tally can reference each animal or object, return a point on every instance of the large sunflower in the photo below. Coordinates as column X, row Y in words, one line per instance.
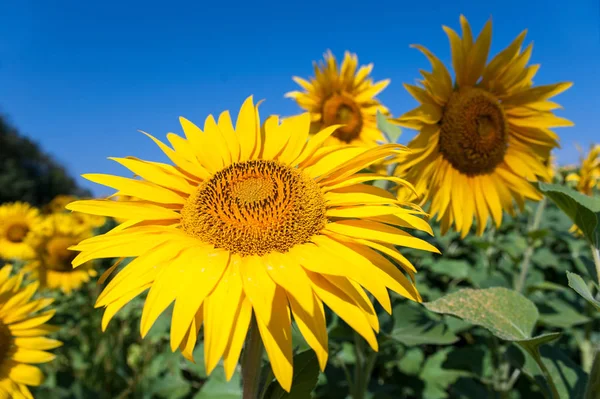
column 344, row 97
column 17, row 219
column 23, row 340
column 261, row 221
column 482, row 137
column 52, row 266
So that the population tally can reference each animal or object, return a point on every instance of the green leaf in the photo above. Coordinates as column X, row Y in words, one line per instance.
column 579, row 285
column 584, row 211
column 506, row 313
column 306, row 374
column 556, row 312
column 411, row 362
column 437, row 379
column 458, row 269
column 217, row 386
column 391, row 131
column 549, row 361
column 413, row 326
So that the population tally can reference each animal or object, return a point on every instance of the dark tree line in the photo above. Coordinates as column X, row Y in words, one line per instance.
column 27, row 173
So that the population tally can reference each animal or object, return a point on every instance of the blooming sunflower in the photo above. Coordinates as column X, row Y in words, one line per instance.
column 23, row 340
column 588, row 176
column 58, row 203
column 255, row 220
column 343, row 97
column 17, row 219
column 482, row 137
column 52, row 265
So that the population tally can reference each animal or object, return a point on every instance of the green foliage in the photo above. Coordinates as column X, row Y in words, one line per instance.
column 577, row 283
column 306, row 373
column 506, row 313
column 583, row 210
column 27, row 173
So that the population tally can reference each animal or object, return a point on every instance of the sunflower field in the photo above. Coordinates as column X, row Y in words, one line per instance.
column 313, row 256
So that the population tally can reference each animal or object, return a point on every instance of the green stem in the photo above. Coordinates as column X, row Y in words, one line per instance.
column 547, row 375
column 363, row 367
column 252, row 362
column 359, row 390
column 529, row 250
column 596, row 256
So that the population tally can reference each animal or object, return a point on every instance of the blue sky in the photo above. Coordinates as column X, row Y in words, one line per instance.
column 82, row 77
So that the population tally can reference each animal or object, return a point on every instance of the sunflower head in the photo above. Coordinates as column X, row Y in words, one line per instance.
column 52, row 264
column 482, row 137
column 58, row 203
column 588, row 176
column 23, row 331
column 343, row 96
column 256, row 221
column 17, row 220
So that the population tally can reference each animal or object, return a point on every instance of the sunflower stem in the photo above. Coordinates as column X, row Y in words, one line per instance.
column 530, row 247
column 252, row 362
column 596, row 256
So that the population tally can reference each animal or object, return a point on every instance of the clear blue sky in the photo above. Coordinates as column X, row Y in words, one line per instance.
column 80, row 77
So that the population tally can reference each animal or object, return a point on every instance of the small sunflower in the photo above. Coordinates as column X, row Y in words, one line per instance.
column 483, row 137
column 17, row 219
column 343, row 97
column 23, row 331
column 588, row 176
column 52, row 265
column 261, row 221
column 58, row 203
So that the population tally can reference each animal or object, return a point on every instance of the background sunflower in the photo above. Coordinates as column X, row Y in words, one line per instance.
column 343, row 96
column 483, row 137
column 23, row 331
column 17, row 220
column 52, row 264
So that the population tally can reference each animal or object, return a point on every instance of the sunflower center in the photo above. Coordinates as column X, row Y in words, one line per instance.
column 339, row 109
column 17, row 232
column 5, row 342
column 474, row 133
column 254, row 208
column 57, row 256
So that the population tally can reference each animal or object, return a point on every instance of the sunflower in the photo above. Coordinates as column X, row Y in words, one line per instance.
column 58, row 203
column 17, row 219
column 483, row 137
column 343, row 97
column 588, row 176
column 261, row 221
column 52, row 265
column 22, row 336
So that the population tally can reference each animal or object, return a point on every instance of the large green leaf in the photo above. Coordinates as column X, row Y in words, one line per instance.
column 506, row 313
column 579, row 285
column 413, row 326
column 584, row 211
column 392, row 132
column 306, row 374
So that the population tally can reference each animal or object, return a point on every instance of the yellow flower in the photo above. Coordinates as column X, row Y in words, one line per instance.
column 255, row 220
column 58, row 203
column 344, row 97
column 52, row 266
column 22, row 336
column 483, row 137
column 17, row 219
column 588, row 176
